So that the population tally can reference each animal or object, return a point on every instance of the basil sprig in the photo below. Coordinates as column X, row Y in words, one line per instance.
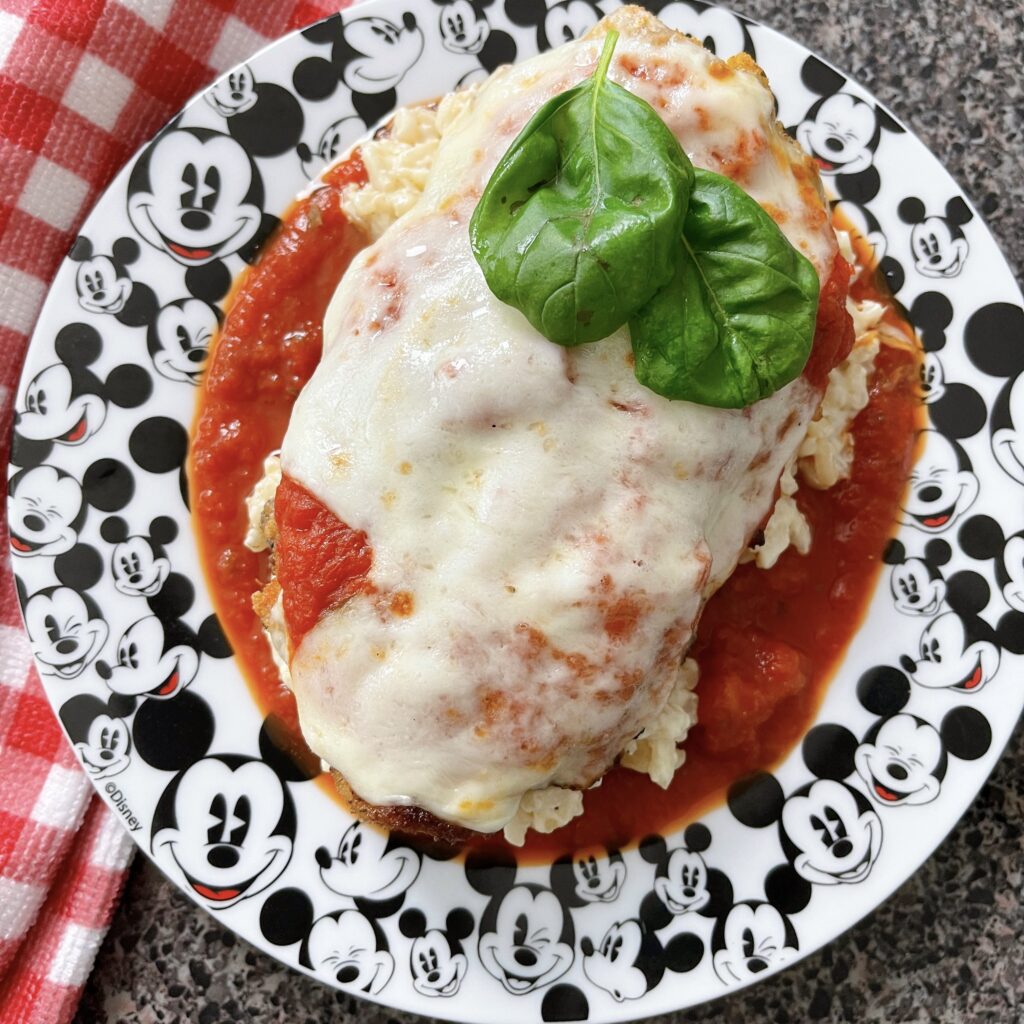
column 594, row 217
column 736, row 322
column 578, row 225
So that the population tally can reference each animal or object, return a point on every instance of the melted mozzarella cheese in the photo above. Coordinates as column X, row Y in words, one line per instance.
column 557, row 525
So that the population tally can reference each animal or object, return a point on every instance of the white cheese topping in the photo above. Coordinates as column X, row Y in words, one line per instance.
column 556, row 525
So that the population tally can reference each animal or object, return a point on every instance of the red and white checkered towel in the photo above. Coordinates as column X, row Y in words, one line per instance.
column 83, row 83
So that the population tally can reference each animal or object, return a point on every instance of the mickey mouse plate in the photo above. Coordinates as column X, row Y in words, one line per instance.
column 145, row 685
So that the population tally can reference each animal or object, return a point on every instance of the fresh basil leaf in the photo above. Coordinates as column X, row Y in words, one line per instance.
column 579, row 223
column 736, row 322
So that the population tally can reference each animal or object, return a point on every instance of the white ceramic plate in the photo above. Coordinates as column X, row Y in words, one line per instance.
column 138, row 671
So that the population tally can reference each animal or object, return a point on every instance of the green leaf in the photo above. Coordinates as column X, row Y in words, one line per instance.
column 736, row 322
column 579, row 223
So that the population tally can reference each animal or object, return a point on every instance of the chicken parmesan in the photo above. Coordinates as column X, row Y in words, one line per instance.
column 491, row 552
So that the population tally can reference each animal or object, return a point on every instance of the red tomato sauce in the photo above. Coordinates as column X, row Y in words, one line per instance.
column 321, row 562
column 267, row 350
column 768, row 641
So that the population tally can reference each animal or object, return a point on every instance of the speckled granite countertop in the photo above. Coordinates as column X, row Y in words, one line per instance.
column 949, row 945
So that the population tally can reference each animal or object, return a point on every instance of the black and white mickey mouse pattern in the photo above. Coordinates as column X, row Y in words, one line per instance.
column 719, row 29
column 234, row 93
column 437, row 960
column 158, row 445
column 954, row 654
column 943, row 486
column 368, row 864
column 994, row 341
column 347, row 946
column 901, row 759
column 139, row 564
column 954, row 409
column 830, row 833
column 748, row 937
column 46, row 506
column 959, row 649
column 630, row 959
column 44, row 510
column 683, row 882
column 67, row 631
column 265, row 118
column 554, row 21
column 100, row 734
column 369, row 56
column 326, row 138
column 527, row 937
column 600, row 926
column 149, row 660
column 64, row 623
column 598, row 875
column 916, row 583
column 982, row 538
column 466, row 31
column 158, row 655
column 66, row 403
column 225, row 824
column 842, row 132
column 196, row 195
column 178, row 339
column 355, row 46
column 753, row 937
column 937, row 243
column 372, row 871
column 105, row 285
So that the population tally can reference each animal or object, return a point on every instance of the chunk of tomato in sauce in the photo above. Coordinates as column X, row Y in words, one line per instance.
column 754, row 673
column 321, row 561
column 833, row 331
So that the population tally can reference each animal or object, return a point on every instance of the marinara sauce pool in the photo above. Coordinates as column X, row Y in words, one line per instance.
column 768, row 641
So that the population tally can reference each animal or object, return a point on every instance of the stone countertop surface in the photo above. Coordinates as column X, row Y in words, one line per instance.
column 948, row 946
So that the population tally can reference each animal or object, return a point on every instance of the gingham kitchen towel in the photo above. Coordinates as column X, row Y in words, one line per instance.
column 83, row 83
